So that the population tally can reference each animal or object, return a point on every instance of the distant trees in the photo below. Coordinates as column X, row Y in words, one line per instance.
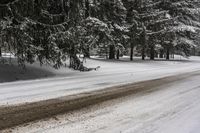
column 186, row 24
column 113, row 14
column 52, row 30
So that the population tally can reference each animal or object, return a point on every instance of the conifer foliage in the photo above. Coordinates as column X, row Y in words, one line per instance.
column 49, row 31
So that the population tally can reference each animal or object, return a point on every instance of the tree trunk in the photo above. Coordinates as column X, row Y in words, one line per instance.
column 172, row 56
column 87, row 6
column 107, row 53
column 0, row 52
column 152, row 53
column 112, row 52
column 131, row 55
column 156, row 54
column 87, row 53
column 118, row 52
column 74, row 60
column 167, row 53
column 143, row 53
column 144, row 41
column 62, row 6
column 172, row 53
column 75, row 63
column 161, row 55
column 37, row 6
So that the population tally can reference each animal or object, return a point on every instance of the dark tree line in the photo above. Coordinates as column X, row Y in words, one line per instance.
column 52, row 30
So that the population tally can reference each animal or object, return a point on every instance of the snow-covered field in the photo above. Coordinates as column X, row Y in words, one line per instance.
column 45, row 83
column 173, row 108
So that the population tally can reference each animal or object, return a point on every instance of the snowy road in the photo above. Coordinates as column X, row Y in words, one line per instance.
column 111, row 73
column 173, row 108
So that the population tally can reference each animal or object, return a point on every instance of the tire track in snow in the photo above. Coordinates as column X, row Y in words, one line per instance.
column 15, row 115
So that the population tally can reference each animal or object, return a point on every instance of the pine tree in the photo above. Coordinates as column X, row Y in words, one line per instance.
column 150, row 25
column 39, row 19
column 186, row 24
column 35, row 29
column 113, row 13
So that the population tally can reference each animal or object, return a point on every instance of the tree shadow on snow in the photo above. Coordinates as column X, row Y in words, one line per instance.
column 10, row 73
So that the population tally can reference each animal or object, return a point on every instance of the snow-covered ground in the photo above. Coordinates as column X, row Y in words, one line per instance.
column 173, row 108
column 45, row 83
